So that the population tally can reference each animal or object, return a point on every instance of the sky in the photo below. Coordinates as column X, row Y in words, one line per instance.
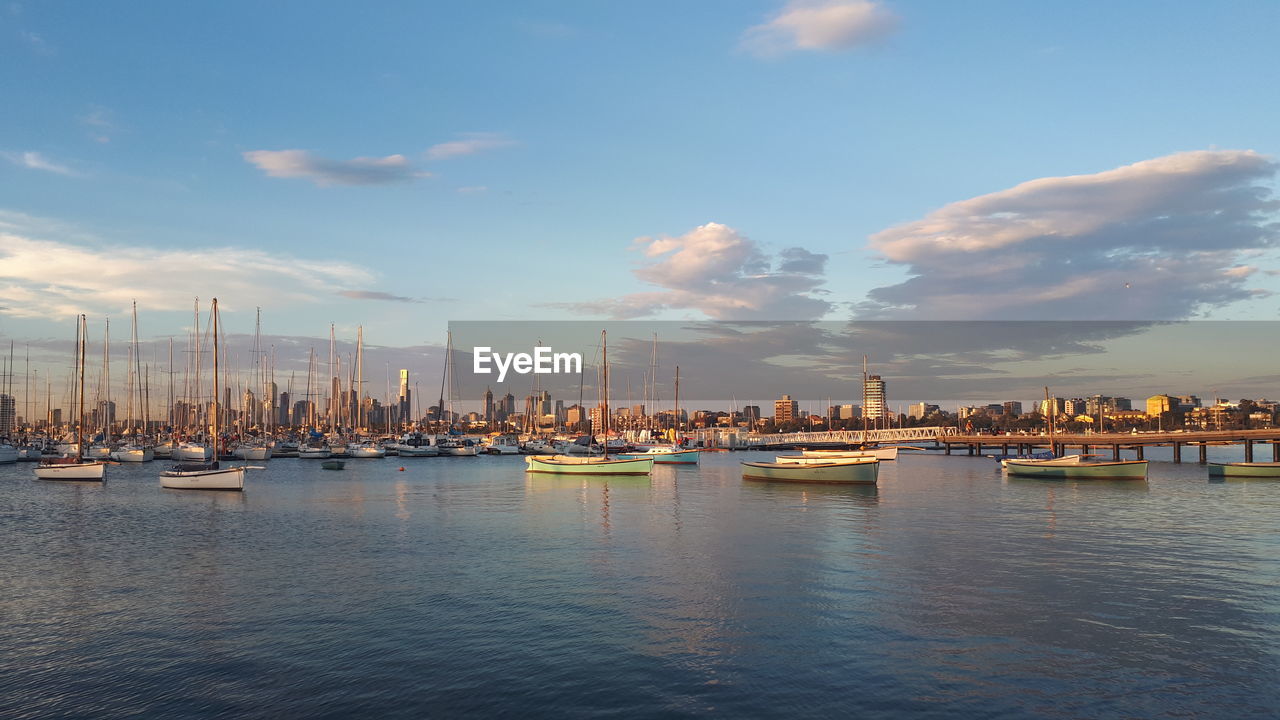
column 411, row 164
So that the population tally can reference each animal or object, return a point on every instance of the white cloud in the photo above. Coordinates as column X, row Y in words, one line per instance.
column 36, row 161
column 325, row 172
column 1158, row 239
column 57, row 278
column 718, row 271
column 469, row 144
column 821, row 25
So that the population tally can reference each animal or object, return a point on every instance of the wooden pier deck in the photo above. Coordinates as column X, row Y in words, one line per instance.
column 1118, row 442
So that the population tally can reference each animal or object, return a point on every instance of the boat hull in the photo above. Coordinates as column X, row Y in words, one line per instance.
column 1055, row 470
column 222, row 479
column 71, row 471
column 192, row 453
column 249, row 452
column 8, row 454
column 309, row 453
column 418, row 451
column 562, row 465
column 832, row 473
column 133, row 455
column 367, row 452
column 1245, row 470
column 665, row 457
column 888, row 453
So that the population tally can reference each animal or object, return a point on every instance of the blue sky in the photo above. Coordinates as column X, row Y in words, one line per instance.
column 569, row 160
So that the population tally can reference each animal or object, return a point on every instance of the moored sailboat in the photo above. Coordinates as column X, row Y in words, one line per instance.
column 210, row 475
column 603, row 465
column 1245, row 470
column 845, row 471
column 74, row 467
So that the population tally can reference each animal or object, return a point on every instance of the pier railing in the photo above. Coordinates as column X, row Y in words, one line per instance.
column 743, row 440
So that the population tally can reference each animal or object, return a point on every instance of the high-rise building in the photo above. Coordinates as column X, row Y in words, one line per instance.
column 8, row 419
column 1052, row 406
column 1012, row 408
column 785, row 410
column 488, row 405
column 282, row 417
column 875, row 405
column 404, row 409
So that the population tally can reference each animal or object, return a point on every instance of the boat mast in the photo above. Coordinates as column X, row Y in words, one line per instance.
column 359, row 383
column 604, row 388
column 216, row 392
column 676, row 438
column 81, row 331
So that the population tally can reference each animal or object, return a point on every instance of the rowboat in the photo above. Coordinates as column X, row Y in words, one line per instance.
column 203, row 476
column 1075, row 469
column 885, row 453
column 665, row 456
column 1065, row 459
column 332, row 464
column 1245, row 470
column 847, row 471
column 69, row 469
column 802, row 460
column 577, row 465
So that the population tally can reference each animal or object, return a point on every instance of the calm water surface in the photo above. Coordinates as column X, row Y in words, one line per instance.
column 461, row 586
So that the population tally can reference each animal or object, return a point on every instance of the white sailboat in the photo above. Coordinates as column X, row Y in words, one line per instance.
column 74, row 467
column 564, row 465
column 210, row 475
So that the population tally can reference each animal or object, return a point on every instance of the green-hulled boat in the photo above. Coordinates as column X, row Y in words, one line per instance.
column 1073, row 469
column 1245, row 470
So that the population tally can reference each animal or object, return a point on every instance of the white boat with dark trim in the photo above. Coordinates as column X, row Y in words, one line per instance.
column 133, row 454
column 1076, row 469
column 74, row 467
column 203, row 476
column 844, row 471
column 666, row 455
column 210, row 475
column 884, row 453
column 367, row 449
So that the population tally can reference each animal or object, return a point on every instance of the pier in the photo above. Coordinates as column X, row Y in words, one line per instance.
column 1117, row 443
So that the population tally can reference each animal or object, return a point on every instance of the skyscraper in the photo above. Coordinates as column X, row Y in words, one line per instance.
column 875, row 407
column 404, row 410
column 488, row 405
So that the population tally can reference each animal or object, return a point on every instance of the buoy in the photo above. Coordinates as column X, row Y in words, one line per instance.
column 401, row 469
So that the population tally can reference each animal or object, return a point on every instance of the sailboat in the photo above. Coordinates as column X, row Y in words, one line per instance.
column 566, row 465
column 74, row 467
column 1073, row 467
column 208, row 475
column 674, row 454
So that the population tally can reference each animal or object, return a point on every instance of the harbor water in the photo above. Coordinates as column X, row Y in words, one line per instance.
column 465, row 587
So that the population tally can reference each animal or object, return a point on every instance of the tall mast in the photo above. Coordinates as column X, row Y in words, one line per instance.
column 81, row 331
column 106, row 380
column 677, row 420
column 359, row 383
column 864, row 398
column 216, row 391
column 604, row 387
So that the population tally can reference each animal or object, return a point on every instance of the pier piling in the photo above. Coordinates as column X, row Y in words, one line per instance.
column 1248, row 451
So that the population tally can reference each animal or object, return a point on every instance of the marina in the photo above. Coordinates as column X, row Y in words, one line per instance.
column 687, row 588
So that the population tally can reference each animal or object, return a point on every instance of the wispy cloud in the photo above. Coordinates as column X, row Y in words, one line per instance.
column 45, row 277
column 99, row 120
column 469, row 144
column 36, row 161
column 325, row 172
column 1158, row 239
column 716, row 270
column 821, row 25
column 376, row 295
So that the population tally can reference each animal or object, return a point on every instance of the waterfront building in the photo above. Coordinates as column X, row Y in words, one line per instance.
column 751, row 413
column 282, row 417
column 488, row 405
column 1012, row 408
column 304, row 412
column 785, row 410
column 875, row 399
column 1160, row 404
column 1052, row 406
column 404, row 409
column 1075, row 406
column 921, row 410
column 1187, row 403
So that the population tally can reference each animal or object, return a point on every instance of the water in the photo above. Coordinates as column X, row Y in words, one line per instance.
column 461, row 586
